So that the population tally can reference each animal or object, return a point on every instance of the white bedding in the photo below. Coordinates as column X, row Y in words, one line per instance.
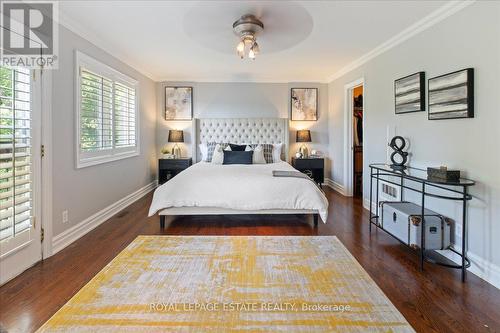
column 241, row 187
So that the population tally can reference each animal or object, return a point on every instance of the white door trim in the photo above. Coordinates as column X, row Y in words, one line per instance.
column 348, row 133
column 47, row 163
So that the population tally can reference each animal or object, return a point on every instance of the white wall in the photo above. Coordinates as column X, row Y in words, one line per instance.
column 469, row 38
column 83, row 192
column 242, row 100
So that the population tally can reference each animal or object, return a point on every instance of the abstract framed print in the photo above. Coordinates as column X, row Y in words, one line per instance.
column 451, row 96
column 304, row 104
column 409, row 93
column 178, row 103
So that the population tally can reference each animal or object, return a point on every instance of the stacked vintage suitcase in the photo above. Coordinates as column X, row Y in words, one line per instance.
column 403, row 220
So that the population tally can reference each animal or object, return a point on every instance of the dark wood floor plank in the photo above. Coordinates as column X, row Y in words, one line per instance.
column 432, row 301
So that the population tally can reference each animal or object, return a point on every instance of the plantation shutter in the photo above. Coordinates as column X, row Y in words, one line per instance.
column 15, row 151
column 124, row 116
column 107, row 128
column 96, row 112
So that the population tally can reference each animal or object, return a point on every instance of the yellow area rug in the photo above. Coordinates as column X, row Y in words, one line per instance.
column 230, row 284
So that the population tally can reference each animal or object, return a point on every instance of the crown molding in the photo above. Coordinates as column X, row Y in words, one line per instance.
column 433, row 18
column 428, row 21
column 226, row 79
column 78, row 29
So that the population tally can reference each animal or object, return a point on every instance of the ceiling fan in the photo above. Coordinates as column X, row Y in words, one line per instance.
column 247, row 28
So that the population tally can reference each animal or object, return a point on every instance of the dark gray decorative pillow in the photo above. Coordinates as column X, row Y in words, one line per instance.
column 238, row 157
column 235, row 147
column 268, row 150
column 211, row 149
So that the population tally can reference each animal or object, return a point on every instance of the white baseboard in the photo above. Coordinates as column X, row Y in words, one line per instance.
column 335, row 186
column 479, row 266
column 366, row 205
column 67, row 237
column 484, row 269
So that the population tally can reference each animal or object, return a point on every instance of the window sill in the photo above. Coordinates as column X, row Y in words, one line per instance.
column 92, row 161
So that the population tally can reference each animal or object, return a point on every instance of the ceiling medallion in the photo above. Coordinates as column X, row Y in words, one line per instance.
column 247, row 28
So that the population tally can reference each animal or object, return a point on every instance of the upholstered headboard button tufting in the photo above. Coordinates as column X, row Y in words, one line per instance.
column 241, row 131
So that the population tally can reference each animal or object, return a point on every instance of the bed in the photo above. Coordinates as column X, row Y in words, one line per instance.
column 211, row 189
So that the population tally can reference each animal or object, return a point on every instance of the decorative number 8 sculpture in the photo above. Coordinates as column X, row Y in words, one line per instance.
column 398, row 157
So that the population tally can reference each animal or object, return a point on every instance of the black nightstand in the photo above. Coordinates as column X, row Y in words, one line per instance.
column 313, row 167
column 168, row 168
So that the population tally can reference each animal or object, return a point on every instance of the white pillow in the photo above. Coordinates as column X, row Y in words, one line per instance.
column 203, row 151
column 258, row 154
column 218, row 157
column 277, row 147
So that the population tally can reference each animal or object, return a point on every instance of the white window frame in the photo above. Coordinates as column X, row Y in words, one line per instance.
column 86, row 159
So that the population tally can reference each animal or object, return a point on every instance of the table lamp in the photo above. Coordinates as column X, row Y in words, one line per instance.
column 176, row 136
column 303, row 136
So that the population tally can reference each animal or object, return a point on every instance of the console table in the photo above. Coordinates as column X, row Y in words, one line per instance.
column 416, row 180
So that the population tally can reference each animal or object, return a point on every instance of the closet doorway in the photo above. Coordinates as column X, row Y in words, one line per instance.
column 357, row 131
column 354, row 113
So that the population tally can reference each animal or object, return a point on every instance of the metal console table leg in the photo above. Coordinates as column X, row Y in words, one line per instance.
column 422, row 231
column 464, row 235
column 376, row 196
column 371, row 198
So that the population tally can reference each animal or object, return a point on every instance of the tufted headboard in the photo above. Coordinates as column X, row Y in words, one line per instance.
column 241, row 130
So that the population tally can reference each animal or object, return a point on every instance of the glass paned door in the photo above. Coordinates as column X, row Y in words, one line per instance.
column 20, row 168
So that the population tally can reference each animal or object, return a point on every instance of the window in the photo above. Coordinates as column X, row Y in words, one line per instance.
column 15, row 152
column 107, row 128
column 124, row 100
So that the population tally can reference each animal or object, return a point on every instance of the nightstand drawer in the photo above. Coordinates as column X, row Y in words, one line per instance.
column 168, row 168
column 309, row 163
column 313, row 167
column 175, row 164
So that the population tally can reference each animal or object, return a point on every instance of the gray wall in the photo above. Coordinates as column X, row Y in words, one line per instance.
column 469, row 38
column 241, row 100
column 83, row 192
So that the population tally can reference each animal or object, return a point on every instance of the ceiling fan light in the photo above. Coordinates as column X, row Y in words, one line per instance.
column 241, row 47
column 247, row 28
column 248, row 41
column 255, row 48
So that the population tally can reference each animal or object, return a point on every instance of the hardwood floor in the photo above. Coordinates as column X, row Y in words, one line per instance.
column 432, row 301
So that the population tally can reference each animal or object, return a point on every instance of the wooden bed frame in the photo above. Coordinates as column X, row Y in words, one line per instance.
column 180, row 211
